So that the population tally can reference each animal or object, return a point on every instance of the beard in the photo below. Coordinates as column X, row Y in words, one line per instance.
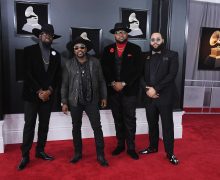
column 159, row 48
column 47, row 44
column 121, row 41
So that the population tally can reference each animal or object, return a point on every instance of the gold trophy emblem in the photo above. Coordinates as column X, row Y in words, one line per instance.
column 215, row 41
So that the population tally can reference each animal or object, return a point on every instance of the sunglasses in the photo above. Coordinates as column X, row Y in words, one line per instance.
column 120, row 32
column 79, row 47
column 155, row 39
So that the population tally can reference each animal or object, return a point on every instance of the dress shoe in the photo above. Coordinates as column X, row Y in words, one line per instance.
column 148, row 150
column 44, row 156
column 173, row 159
column 102, row 161
column 133, row 154
column 23, row 163
column 76, row 158
column 118, row 150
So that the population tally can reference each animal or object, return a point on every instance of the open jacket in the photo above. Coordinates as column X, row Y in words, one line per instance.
column 70, row 81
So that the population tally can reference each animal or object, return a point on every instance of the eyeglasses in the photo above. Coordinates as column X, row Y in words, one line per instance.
column 120, row 32
column 155, row 39
column 79, row 47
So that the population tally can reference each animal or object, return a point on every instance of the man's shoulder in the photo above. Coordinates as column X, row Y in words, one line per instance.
column 93, row 58
column 110, row 46
column 170, row 52
column 33, row 46
column 146, row 55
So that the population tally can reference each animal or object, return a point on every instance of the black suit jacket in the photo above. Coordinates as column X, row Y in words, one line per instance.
column 130, row 68
column 166, row 73
column 35, row 77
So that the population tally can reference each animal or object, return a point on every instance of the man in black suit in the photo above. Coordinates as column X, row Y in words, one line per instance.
column 121, row 64
column 42, row 74
column 158, row 82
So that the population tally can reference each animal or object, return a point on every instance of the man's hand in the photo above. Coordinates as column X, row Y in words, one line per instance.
column 118, row 86
column 151, row 92
column 103, row 103
column 65, row 109
column 44, row 95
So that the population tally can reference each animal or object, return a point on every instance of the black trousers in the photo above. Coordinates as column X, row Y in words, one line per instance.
column 124, row 111
column 153, row 110
column 31, row 109
column 92, row 111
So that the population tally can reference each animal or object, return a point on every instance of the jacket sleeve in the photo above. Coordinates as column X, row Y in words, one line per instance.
column 30, row 80
column 170, row 77
column 102, row 83
column 65, row 84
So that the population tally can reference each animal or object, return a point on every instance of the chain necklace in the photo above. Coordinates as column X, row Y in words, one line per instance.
column 45, row 62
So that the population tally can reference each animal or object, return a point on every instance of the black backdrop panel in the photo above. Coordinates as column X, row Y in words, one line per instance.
column 19, row 63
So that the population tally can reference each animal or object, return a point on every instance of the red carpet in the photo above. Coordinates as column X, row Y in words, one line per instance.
column 198, row 152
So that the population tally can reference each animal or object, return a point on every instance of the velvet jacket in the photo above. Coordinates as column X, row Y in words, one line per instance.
column 131, row 68
column 35, row 75
column 166, row 72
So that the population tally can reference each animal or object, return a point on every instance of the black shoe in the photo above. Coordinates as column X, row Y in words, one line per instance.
column 102, row 161
column 23, row 163
column 133, row 154
column 173, row 159
column 44, row 156
column 118, row 150
column 148, row 150
column 76, row 158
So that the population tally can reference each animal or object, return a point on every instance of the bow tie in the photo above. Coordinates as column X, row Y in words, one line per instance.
column 153, row 52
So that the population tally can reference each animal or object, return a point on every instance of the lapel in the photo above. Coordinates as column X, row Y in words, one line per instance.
column 160, row 61
column 90, row 66
column 39, row 58
column 124, row 55
column 147, row 67
column 158, row 66
column 52, row 61
column 73, row 68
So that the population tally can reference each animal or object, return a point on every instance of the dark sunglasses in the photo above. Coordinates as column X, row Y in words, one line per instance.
column 79, row 47
column 155, row 39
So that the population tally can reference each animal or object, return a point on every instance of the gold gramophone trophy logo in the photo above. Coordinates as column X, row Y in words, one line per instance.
column 215, row 41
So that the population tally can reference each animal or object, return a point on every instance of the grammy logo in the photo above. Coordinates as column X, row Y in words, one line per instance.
column 215, row 41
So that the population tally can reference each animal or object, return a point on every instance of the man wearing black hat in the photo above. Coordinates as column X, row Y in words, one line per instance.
column 121, row 64
column 83, row 89
column 42, row 74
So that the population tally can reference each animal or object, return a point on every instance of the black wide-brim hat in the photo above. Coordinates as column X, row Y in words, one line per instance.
column 120, row 26
column 79, row 40
column 47, row 28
